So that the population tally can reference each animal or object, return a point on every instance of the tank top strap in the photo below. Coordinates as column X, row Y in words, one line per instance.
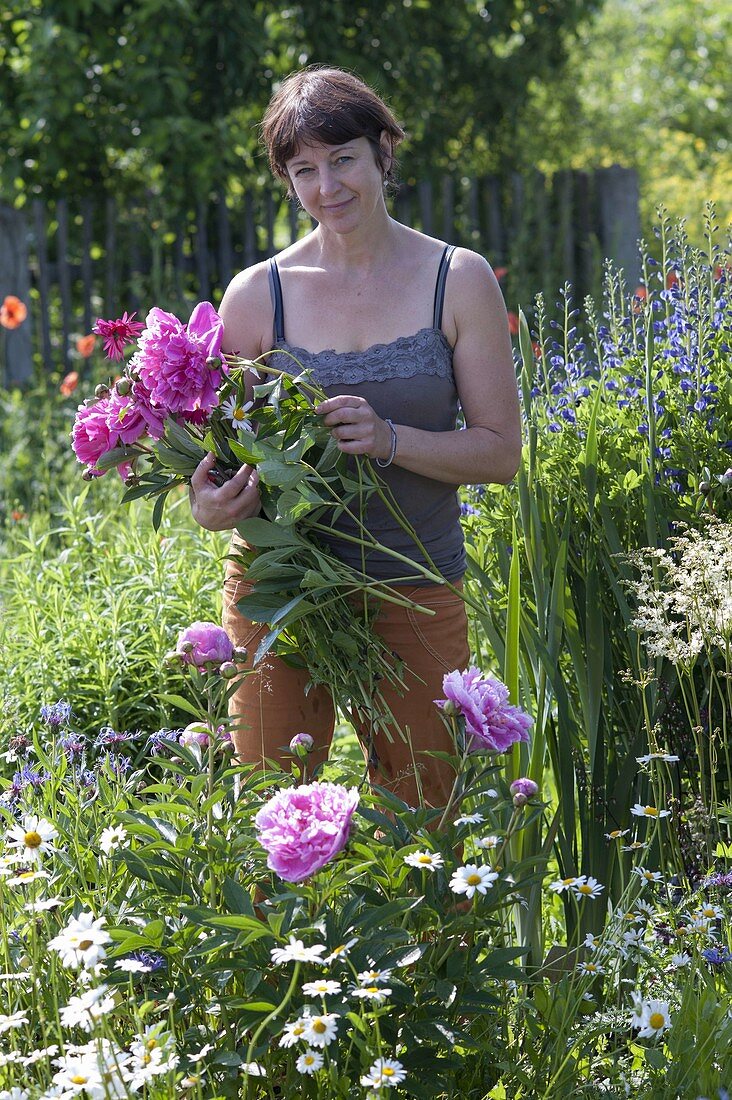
column 275, row 288
column 440, row 285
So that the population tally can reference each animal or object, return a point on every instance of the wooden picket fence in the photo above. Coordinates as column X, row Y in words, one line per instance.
column 80, row 258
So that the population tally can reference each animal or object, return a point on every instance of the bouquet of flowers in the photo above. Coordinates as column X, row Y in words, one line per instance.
column 177, row 399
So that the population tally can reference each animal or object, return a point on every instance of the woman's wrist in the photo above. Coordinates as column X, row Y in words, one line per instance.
column 387, row 461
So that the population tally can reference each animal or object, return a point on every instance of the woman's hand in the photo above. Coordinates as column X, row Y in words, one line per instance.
column 221, row 508
column 355, row 426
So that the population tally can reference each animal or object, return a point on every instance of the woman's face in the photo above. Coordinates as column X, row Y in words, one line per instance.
column 338, row 185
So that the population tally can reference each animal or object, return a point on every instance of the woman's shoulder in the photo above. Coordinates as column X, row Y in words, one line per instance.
column 246, row 310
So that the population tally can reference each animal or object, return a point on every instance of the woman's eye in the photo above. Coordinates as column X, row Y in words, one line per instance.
column 300, row 171
column 344, row 158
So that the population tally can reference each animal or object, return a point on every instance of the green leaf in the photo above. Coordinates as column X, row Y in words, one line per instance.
column 262, row 532
column 180, row 702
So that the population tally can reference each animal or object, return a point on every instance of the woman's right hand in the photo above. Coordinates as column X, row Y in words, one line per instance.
column 221, row 508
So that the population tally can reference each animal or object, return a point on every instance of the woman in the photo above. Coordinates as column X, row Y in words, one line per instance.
column 411, row 328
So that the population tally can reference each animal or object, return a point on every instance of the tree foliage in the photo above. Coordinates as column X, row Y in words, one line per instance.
column 165, row 95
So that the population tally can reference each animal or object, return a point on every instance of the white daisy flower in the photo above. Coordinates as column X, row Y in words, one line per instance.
column 590, row 888
column 309, row 1062
column 132, row 966
column 384, row 1073
column 321, row 1030
column 648, row 811
column 591, row 968
column 667, row 757
column 14, row 1093
column 294, row 1031
column 79, row 1074
column 14, row 1019
column 563, row 884
column 708, row 912
column 38, row 1055
column 23, row 877
column 470, row 819
column 296, row 951
column 33, row 837
column 321, row 988
column 200, row 1053
column 488, row 842
column 368, row 977
column 84, row 1011
column 375, row 993
column 236, row 413
column 633, row 847
column 45, row 904
column 81, row 942
column 340, row 951
column 112, row 838
column 616, row 834
column 427, row 861
column 654, row 1019
column 591, row 942
column 466, row 880
column 646, row 875
column 681, row 959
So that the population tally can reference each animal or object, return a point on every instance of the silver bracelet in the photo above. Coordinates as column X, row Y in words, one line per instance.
column 380, row 461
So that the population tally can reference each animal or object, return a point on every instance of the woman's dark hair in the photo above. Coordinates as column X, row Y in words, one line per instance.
column 320, row 104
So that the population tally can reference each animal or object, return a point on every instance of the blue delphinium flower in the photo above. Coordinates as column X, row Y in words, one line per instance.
column 716, row 956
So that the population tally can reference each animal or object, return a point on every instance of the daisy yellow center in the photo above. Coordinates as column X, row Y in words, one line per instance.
column 656, row 1020
column 614, row 833
column 387, row 1071
column 650, row 811
column 568, row 881
column 708, row 913
column 33, row 839
column 298, row 1029
column 591, row 968
column 84, row 945
column 151, row 1044
column 27, row 874
column 238, row 413
column 146, row 1059
column 339, row 949
column 425, row 859
column 473, row 879
column 79, row 1079
column 584, row 888
column 309, row 1059
column 372, row 989
column 319, row 1027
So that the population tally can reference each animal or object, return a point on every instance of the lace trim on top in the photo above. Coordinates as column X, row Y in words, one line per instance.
column 425, row 352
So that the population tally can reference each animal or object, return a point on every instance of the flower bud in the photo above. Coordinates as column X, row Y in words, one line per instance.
column 213, row 362
column 101, row 390
column 123, row 386
column 301, row 745
column 186, row 647
column 87, row 475
column 522, row 790
column 449, row 708
column 240, row 654
column 704, row 487
column 228, row 670
column 196, row 733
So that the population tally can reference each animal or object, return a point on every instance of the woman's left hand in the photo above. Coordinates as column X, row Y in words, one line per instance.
column 355, row 426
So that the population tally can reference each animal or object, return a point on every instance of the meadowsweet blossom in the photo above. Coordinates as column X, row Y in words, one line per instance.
column 32, row 838
column 173, row 359
column 384, row 1073
column 426, row 861
column 202, row 642
column 471, row 878
column 303, row 828
column 296, row 951
column 81, row 942
column 492, row 723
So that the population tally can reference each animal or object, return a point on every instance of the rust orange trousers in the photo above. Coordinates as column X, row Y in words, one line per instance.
column 271, row 705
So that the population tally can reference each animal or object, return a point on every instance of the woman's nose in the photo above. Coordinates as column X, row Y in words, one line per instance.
column 328, row 180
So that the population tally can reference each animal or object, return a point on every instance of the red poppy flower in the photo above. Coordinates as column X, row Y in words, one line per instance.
column 69, row 383
column 513, row 323
column 12, row 312
column 500, row 272
column 17, row 515
column 85, row 345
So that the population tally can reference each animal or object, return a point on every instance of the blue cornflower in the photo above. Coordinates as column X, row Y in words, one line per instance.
column 57, row 714
column 108, row 737
column 716, row 956
column 468, row 510
column 28, row 776
column 152, row 961
column 73, row 746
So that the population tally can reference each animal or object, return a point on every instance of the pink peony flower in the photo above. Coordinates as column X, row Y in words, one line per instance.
column 302, row 828
column 202, row 642
column 132, row 416
column 118, row 333
column 492, row 724
column 196, row 733
column 172, row 359
column 91, row 435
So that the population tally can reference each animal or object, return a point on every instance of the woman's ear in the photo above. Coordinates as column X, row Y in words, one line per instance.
column 387, row 151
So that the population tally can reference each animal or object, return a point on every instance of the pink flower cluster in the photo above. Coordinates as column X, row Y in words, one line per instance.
column 168, row 376
column 492, row 724
column 302, row 828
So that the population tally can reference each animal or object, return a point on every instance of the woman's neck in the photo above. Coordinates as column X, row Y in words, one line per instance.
column 366, row 249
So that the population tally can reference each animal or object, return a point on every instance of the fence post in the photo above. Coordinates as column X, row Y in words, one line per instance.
column 619, row 215
column 14, row 280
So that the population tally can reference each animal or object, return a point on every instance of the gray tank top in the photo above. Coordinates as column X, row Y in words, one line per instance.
column 411, row 381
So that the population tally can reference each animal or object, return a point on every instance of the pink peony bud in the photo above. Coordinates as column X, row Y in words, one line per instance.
column 301, row 745
column 522, row 790
column 197, row 733
column 204, row 643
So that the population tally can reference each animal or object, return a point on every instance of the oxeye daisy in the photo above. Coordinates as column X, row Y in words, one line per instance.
column 487, row 842
column 648, row 811
column 309, row 1062
column 15, row 1019
column 633, row 846
column 427, row 861
column 384, row 1073
column 616, row 834
column 33, row 837
column 375, row 993
column 591, row 968
column 294, row 1031
column 590, row 888
column 22, row 877
column 321, row 988
column 81, row 942
column 646, row 875
column 681, row 959
column 236, row 413
column 466, row 880
column 655, row 1019
column 340, row 951
column 112, row 838
column 563, row 884
column 296, row 951
column 320, row 1030
column 368, row 977
column 470, row 819
column 667, row 757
